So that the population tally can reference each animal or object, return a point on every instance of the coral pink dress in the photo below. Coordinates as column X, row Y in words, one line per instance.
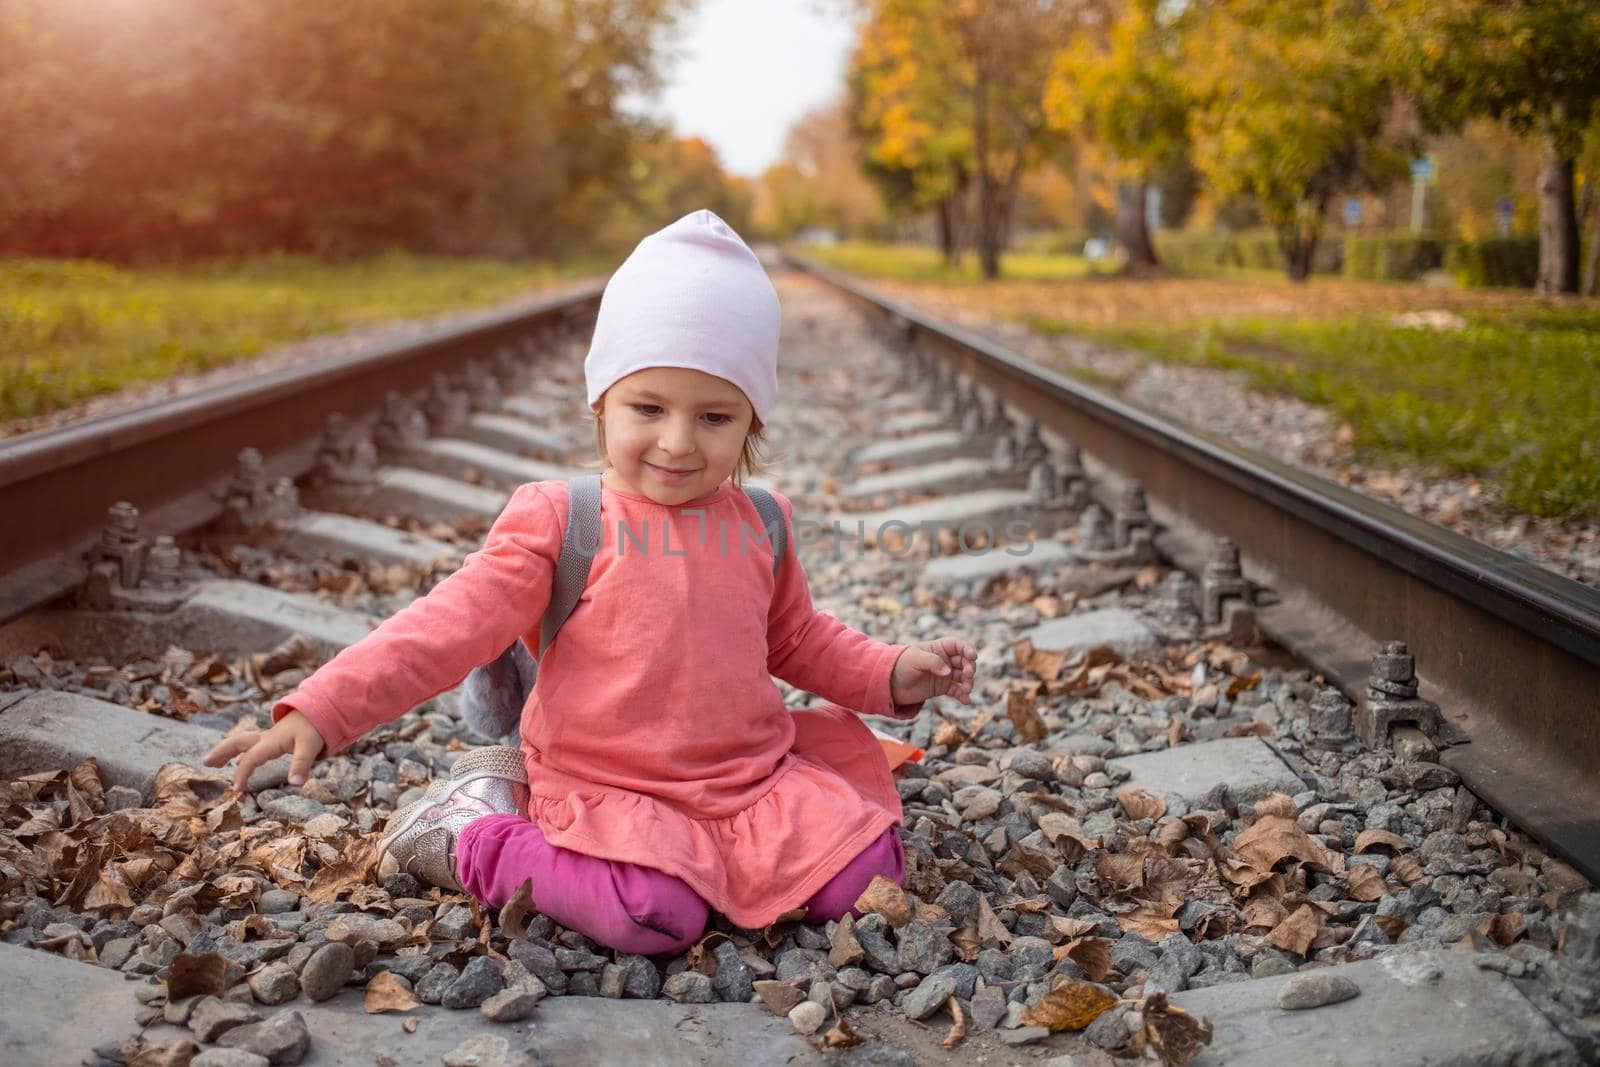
column 655, row 734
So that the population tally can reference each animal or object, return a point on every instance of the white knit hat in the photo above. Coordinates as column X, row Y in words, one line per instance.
column 691, row 295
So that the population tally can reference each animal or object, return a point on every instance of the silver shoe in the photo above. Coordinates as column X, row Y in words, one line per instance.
column 420, row 839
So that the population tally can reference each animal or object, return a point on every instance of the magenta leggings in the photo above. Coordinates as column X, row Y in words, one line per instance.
column 623, row 905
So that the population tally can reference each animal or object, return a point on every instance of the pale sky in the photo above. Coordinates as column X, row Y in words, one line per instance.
column 747, row 69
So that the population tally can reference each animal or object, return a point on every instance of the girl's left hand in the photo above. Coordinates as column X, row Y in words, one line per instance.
column 934, row 668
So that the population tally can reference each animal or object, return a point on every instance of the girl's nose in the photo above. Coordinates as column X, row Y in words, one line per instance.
column 677, row 438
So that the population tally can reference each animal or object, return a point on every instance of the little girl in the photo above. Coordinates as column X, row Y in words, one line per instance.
column 660, row 773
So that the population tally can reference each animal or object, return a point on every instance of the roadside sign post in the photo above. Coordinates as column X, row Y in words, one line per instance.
column 1423, row 173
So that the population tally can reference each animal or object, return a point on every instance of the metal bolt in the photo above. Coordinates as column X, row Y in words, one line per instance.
column 165, row 570
column 1133, row 513
column 1094, row 530
column 1223, row 579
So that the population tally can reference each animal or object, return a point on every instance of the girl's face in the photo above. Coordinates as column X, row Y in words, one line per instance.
column 674, row 434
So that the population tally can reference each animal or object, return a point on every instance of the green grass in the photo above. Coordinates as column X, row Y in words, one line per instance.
column 1513, row 398
column 72, row 329
column 923, row 263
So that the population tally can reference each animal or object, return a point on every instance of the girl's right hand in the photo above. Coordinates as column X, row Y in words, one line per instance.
column 293, row 733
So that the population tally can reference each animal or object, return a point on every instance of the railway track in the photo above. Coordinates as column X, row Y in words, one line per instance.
column 1165, row 628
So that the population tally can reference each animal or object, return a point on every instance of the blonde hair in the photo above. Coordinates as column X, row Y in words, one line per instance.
column 750, row 459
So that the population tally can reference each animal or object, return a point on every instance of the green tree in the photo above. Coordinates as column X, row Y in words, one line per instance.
column 1534, row 64
column 192, row 127
column 1123, row 87
column 1291, row 99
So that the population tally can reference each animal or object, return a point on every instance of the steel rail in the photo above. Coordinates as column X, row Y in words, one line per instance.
column 173, row 458
column 1510, row 651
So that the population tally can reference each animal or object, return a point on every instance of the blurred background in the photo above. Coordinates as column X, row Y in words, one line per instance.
column 186, row 182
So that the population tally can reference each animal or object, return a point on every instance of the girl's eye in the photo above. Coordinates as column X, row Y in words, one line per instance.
column 719, row 420
column 645, row 409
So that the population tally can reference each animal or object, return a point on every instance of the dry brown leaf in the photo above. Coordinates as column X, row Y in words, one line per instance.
column 1056, row 825
column 1391, row 926
column 1019, row 709
column 1177, row 730
column 1071, row 1006
column 950, row 735
column 1251, row 728
column 177, row 1054
column 1297, row 932
column 1503, row 929
column 210, row 973
column 1173, row 1035
column 1365, row 883
column 1239, row 685
column 958, row 1028
column 1279, row 804
column 1140, row 803
column 1046, row 666
column 386, row 992
column 1274, row 838
column 841, row 1035
column 989, row 926
column 1091, row 954
column 1064, row 927
column 967, row 942
column 1151, row 919
column 702, row 954
column 1170, row 833
column 887, row 899
column 776, row 930
column 514, row 913
column 1376, row 837
column 1407, row 869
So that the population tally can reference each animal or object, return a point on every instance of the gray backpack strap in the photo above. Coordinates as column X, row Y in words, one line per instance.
column 579, row 543
column 771, row 521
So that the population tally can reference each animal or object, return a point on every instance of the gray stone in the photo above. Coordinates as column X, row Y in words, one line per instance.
column 1245, row 765
column 480, row 979
column 689, row 987
column 510, row 1005
column 929, row 996
column 281, row 1039
column 966, row 978
column 1031, row 958
column 879, row 954
column 1122, row 630
column 640, row 979
column 278, row 901
column 436, row 983
column 327, row 971
column 1313, row 989
column 733, row 981
column 1271, row 967
column 577, row 959
column 1028, row 763
column 924, row 947
column 455, row 924
column 541, row 962
column 293, row 808
column 1401, row 1017
column 117, row 951
column 959, row 899
column 1024, row 1035
column 213, row 1017
column 988, row 1008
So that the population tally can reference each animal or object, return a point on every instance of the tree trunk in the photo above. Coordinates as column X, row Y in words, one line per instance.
column 1591, row 263
column 947, row 230
column 988, row 253
column 1132, row 233
column 1558, row 223
column 1297, row 244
